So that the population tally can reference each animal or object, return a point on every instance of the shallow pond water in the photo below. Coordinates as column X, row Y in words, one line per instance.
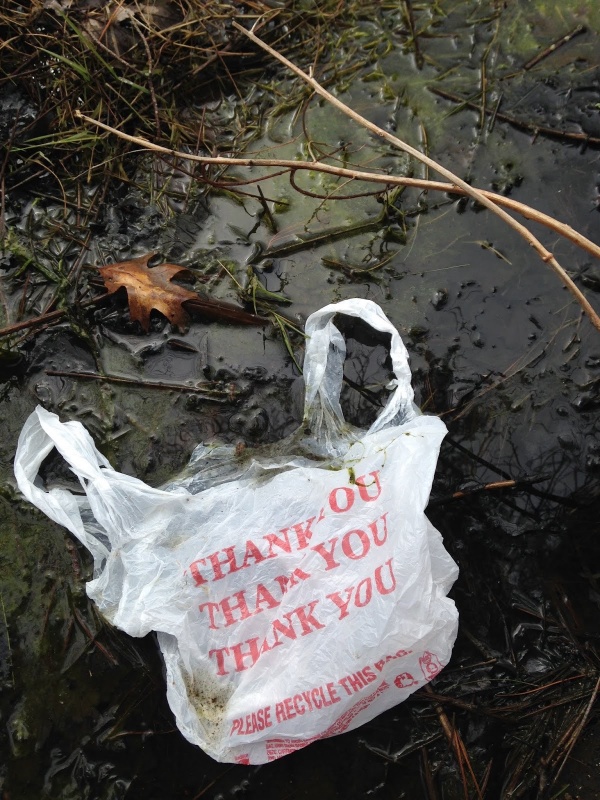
column 498, row 348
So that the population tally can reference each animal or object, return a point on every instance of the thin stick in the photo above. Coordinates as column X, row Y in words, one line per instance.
column 482, row 106
column 523, row 483
column 48, row 317
column 212, row 308
column 10, row 657
column 413, row 33
column 428, row 776
column 209, row 392
column 92, row 638
column 492, row 199
column 455, row 740
column 494, row 114
column 544, row 254
column 577, row 733
column 372, row 177
column 150, row 70
column 530, row 127
column 554, row 46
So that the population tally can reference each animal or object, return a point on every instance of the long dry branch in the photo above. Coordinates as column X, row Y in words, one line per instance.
column 387, row 180
column 476, row 194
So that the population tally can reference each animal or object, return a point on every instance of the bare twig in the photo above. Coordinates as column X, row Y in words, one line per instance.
column 371, row 177
column 50, row 316
column 207, row 390
column 413, row 33
column 93, row 638
column 524, row 483
column 488, row 199
column 579, row 728
column 481, row 197
column 432, row 793
column 213, row 309
column 554, row 46
column 150, row 70
column 530, row 127
column 457, row 744
column 10, row 657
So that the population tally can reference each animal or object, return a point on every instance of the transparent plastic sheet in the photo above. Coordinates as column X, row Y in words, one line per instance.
column 298, row 589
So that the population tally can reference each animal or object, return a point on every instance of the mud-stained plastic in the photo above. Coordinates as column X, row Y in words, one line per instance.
column 297, row 590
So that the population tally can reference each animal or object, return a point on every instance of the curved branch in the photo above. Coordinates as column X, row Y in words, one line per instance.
column 330, row 196
column 373, row 177
column 476, row 194
column 489, row 199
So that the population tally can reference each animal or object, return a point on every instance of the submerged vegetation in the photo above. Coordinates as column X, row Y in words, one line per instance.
column 132, row 128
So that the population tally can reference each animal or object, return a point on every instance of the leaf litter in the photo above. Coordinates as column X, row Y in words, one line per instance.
column 150, row 289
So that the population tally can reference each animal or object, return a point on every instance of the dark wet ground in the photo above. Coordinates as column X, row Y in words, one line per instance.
column 498, row 348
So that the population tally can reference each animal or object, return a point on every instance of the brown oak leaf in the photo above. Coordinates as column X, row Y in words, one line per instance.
column 149, row 288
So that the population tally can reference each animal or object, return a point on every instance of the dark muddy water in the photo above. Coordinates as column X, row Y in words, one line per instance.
column 498, row 348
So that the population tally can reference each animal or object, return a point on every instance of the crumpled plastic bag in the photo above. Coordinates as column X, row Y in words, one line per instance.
column 297, row 590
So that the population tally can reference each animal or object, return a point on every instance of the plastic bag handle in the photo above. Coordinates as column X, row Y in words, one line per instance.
column 42, row 432
column 324, row 366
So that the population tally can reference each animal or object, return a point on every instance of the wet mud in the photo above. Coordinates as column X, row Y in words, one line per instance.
column 498, row 348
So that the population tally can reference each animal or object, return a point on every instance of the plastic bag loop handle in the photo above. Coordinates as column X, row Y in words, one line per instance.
column 41, row 433
column 324, row 364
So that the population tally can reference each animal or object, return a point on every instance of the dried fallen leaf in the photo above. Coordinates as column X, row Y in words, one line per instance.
column 149, row 288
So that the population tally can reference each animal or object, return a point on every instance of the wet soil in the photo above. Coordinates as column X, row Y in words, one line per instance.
column 498, row 348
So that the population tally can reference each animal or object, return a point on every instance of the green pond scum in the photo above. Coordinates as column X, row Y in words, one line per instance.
column 506, row 95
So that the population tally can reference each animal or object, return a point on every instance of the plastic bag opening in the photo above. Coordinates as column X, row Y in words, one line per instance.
column 367, row 373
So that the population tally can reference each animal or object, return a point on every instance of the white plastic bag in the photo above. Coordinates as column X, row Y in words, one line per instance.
column 295, row 596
